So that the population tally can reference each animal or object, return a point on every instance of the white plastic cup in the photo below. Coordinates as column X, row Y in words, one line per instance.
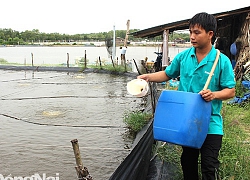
column 137, row 87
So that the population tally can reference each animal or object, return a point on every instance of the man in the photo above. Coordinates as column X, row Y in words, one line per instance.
column 193, row 66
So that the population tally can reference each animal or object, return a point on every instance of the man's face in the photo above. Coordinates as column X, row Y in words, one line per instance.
column 199, row 38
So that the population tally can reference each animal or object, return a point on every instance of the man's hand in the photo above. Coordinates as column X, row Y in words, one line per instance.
column 224, row 94
column 207, row 95
column 159, row 76
column 144, row 76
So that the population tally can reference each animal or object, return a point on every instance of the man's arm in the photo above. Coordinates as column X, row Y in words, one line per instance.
column 224, row 94
column 160, row 76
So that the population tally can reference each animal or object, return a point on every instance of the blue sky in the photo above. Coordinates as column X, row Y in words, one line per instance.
column 84, row 16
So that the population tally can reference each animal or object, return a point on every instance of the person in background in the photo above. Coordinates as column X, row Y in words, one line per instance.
column 193, row 66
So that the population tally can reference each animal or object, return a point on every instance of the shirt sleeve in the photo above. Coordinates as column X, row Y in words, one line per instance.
column 227, row 78
column 173, row 70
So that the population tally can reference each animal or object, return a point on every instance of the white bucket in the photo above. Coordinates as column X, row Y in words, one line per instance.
column 137, row 87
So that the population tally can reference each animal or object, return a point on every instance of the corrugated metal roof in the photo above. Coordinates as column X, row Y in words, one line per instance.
column 183, row 24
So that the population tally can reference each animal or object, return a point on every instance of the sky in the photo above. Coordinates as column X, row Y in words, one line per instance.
column 93, row 16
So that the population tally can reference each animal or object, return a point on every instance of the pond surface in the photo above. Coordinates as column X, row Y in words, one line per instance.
column 58, row 55
column 41, row 112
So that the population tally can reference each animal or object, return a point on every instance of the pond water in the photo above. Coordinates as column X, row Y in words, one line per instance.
column 58, row 55
column 41, row 112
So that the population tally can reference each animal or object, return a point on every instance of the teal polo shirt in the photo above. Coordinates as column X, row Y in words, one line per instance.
column 193, row 76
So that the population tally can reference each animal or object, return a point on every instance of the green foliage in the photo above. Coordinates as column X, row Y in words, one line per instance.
column 119, row 68
column 135, row 121
column 174, row 36
column 109, row 67
column 12, row 37
column 3, row 61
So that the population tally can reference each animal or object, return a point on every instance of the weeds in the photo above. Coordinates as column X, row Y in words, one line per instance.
column 135, row 121
column 171, row 154
column 235, row 151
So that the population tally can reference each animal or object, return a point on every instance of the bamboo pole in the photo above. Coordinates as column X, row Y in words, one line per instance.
column 85, row 59
column 150, row 87
column 100, row 62
column 212, row 70
column 165, row 49
column 77, row 152
column 127, row 32
column 82, row 172
column 32, row 59
column 123, row 57
column 112, row 62
column 137, row 67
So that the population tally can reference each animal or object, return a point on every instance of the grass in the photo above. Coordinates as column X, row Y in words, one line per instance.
column 108, row 67
column 135, row 121
column 235, row 151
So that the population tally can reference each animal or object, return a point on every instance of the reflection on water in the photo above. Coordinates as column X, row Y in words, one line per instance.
column 42, row 112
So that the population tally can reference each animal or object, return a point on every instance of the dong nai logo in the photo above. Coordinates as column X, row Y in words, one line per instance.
column 33, row 177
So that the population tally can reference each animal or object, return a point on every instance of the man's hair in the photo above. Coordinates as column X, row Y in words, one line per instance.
column 204, row 20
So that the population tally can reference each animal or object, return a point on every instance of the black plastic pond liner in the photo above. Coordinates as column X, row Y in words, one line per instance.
column 135, row 165
column 161, row 170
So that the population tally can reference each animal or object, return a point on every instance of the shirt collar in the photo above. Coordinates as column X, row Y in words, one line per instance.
column 209, row 57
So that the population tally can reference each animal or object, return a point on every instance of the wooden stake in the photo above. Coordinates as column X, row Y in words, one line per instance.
column 32, row 59
column 123, row 58
column 112, row 62
column 100, row 62
column 67, row 59
column 82, row 172
column 85, row 60
column 137, row 67
column 127, row 32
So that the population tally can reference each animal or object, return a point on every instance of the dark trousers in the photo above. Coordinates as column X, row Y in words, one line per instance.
column 209, row 159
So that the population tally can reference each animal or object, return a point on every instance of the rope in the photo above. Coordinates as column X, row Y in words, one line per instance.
column 63, row 125
column 68, row 147
column 66, row 96
column 24, row 79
